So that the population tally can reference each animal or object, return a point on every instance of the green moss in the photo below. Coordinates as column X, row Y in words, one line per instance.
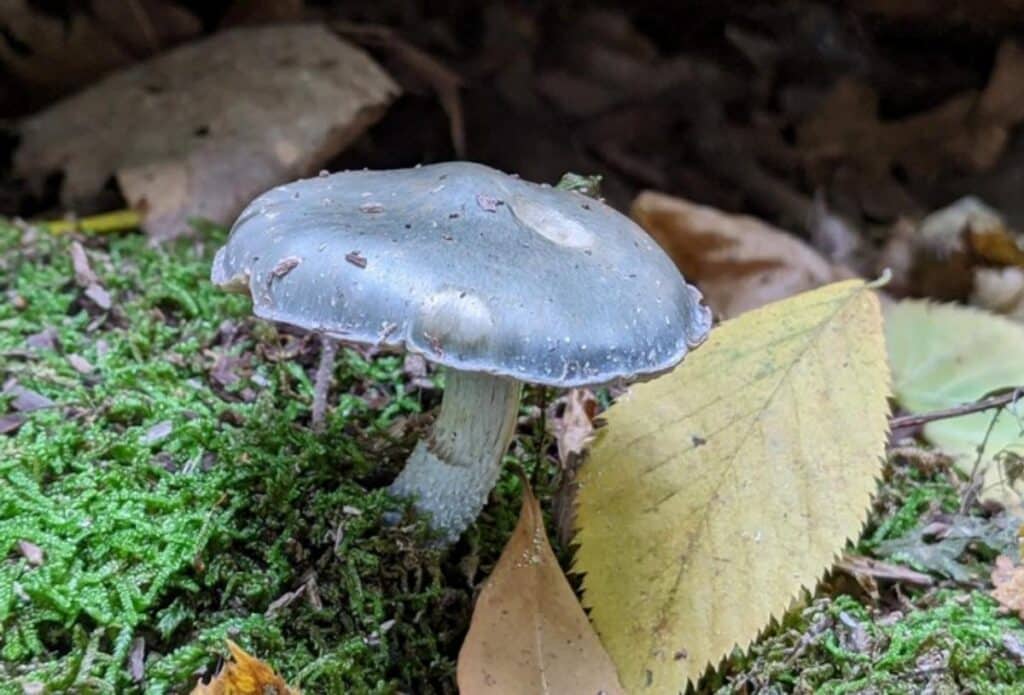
column 182, row 540
column 952, row 642
column 175, row 508
column 903, row 498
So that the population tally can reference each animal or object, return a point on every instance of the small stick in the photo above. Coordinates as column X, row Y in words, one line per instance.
column 999, row 401
column 117, row 221
column 322, row 382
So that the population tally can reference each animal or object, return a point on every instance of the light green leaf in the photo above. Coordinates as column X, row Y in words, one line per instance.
column 944, row 355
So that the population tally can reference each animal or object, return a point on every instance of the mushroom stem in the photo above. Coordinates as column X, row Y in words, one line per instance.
column 451, row 472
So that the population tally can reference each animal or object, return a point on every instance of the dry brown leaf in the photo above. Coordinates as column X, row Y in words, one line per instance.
column 970, row 130
column 570, row 421
column 944, row 256
column 66, row 51
column 199, row 131
column 948, row 256
column 1000, row 246
column 575, row 426
column 968, row 224
column 1008, row 579
column 529, row 633
column 245, row 675
column 738, row 262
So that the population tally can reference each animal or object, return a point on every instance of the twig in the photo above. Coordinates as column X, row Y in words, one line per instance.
column 116, row 221
column 998, row 401
column 322, row 383
column 977, row 480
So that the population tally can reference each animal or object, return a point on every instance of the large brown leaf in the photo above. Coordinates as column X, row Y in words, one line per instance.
column 738, row 262
column 529, row 633
column 970, row 130
column 201, row 130
column 53, row 51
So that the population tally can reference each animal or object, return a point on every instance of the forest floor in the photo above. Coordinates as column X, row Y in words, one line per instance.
column 161, row 489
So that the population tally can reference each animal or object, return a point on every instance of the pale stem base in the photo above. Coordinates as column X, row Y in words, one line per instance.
column 450, row 473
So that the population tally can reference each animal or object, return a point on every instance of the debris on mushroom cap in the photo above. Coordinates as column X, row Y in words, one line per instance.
column 535, row 283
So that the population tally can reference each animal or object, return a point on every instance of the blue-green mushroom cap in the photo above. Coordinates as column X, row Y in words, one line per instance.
column 475, row 269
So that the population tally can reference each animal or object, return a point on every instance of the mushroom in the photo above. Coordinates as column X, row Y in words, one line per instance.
column 501, row 281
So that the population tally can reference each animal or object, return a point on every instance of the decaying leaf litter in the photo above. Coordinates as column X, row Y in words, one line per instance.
column 724, row 117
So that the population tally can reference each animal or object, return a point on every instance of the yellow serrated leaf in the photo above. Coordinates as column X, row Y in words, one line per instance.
column 246, row 675
column 529, row 633
column 719, row 490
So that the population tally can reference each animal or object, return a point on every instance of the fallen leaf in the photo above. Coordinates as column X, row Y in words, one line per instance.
column 969, row 130
column 87, row 279
column 32, row 553
column 99, row 296
column 268, row 104
column 738, row 262
column 157, row 433
column 11, row 422
column 951, row 248
column 947, row 229
column 999, row 246
column 137, row 659
column 529, row 633
column 717, row 493
column 1001, row 291
column 943, row 355
column 283, row 601
column 245, row 675
column 84, row 274
column 25, row 400
column 570, row 420
column 57, row 51
column 922, row 550
column 970, row 225
column 44, row 340
column 573, row 428
column 1013, row 646
column 939, row 545
column 1008, row 579
column 80, row 364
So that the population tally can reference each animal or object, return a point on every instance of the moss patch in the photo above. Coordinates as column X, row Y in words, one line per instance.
column 178, row 496
column 949, row 642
